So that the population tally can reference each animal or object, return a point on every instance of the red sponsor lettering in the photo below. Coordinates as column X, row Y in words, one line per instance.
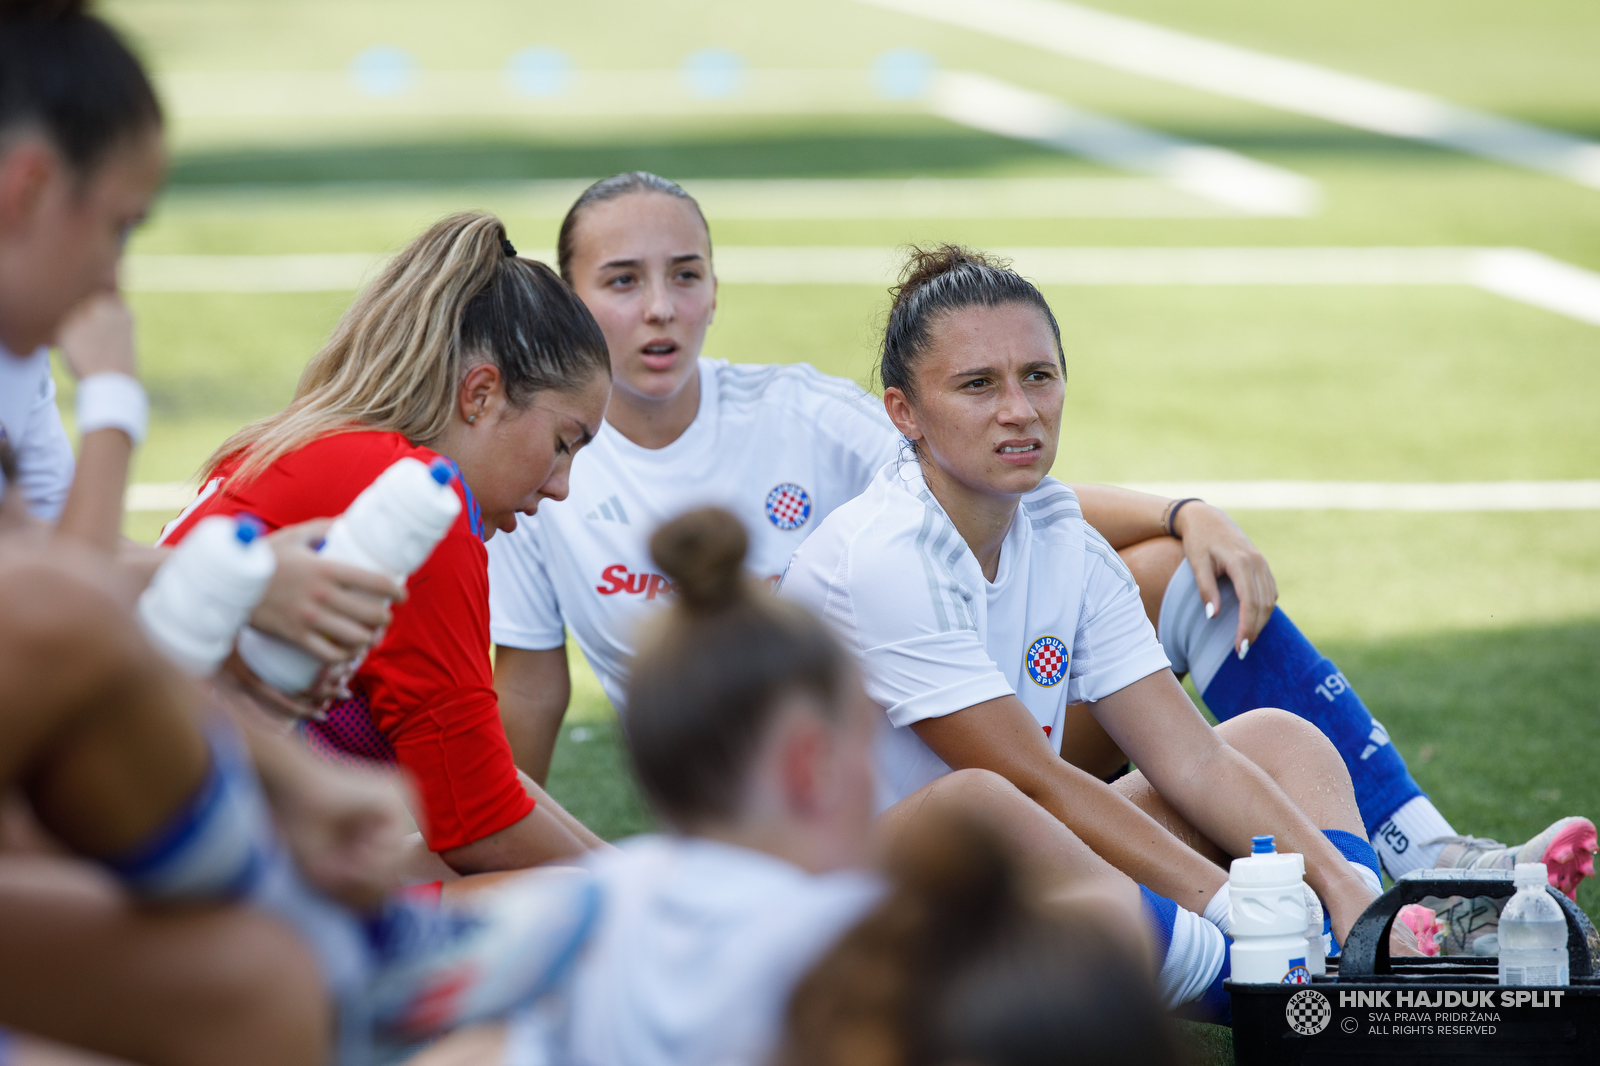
column 617, row 578
column 1046, row 730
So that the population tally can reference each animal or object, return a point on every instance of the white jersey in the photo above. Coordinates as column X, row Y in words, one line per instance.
column 30, row 421
column 697, row 949
column 779, row 446
column 1061, row 622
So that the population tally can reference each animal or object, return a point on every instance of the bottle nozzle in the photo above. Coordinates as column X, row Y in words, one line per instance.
column 440, row 469
column 247, row 527
column 1262, row 845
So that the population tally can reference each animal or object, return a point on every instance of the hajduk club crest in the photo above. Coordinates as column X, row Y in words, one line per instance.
column 788, row 506
column 1047, row 661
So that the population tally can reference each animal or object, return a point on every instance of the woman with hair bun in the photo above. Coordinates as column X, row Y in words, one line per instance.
column 981, row 605
column 752, row 740
column 463, row 350
column 780, row 446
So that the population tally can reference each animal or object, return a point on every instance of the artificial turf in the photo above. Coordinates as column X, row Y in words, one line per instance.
column 1474, row 637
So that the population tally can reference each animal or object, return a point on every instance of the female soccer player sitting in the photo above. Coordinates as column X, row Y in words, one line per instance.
column 463, row 350
column 980, row 605
column 752, row 739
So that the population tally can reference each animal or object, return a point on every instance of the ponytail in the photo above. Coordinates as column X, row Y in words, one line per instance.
column 455, row 297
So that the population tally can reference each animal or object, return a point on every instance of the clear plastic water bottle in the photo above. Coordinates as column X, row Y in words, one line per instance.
column 1268, row 914
column 200, row 597
column 1533, row 932
column 390, row 529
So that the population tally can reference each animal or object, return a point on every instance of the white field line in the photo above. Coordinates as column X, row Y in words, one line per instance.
column 1287, row 84
column 464, row 93
column 1385, row 495
column 1232, row 495
column 1515, row 273
column 1225, row 177
column 772, row 199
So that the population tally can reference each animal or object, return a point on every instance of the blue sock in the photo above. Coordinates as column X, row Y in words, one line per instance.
column 222, row 844
column 214, row 847
column 1283, row 669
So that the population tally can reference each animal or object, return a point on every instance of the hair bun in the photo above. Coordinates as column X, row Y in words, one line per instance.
column 703, row 553
column 923, row 265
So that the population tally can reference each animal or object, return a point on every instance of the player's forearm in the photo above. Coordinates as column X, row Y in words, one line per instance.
column 534, row 688
column 1122, row 516
column 93, row 512
column 1126, row 837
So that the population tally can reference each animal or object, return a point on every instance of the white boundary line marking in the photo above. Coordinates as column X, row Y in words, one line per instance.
column 1385, row 495
column 1465, row 496
column 1515, row 273
column 772, row 199
column 1286, row 84
column 1216, row 174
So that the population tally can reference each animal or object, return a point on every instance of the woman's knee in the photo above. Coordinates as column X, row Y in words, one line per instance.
column 1285, row 745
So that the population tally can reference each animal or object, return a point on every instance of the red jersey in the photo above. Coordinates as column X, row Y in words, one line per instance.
column 428, row 685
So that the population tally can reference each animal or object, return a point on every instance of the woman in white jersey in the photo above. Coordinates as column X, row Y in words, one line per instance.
column 752, row 739
column 779, row 446
column 980, row 604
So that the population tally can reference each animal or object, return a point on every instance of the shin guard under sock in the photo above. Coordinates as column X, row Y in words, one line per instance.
column 1282, row 669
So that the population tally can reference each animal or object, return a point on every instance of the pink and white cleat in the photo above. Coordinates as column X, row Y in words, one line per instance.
column 1566, row 848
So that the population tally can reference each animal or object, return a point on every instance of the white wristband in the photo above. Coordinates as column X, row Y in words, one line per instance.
column 113, row 401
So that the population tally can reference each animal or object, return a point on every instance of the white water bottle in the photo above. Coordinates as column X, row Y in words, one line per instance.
column 1316, row 947
column 1268, row 914
column 390, row 529
column 200, row 597
column 1533, row 932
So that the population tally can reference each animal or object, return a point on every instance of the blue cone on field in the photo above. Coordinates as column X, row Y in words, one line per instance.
column 383, row 70
column 539, row 72
column 714, row 73
column 903, row 73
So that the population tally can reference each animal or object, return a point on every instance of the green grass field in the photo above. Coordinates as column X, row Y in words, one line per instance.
column 1475, row 637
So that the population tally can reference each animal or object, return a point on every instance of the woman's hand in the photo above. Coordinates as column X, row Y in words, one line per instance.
column 97, row 338
column 1215, row 545
column 333, row 611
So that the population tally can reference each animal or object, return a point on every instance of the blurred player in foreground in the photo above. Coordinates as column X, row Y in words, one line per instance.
column 783, row 446
column 752, row 739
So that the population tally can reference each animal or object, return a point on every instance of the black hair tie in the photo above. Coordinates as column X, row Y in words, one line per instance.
column 507, row 247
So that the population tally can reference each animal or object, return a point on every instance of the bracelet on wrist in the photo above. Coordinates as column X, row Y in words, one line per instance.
column 1169, row 521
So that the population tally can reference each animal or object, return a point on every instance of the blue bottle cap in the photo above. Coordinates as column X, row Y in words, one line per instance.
column 1262, row 846
column 441, row 471
column 247, row 528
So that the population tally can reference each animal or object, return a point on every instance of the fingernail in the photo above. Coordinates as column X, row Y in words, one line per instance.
column 1211, row 610
column 1244, row 647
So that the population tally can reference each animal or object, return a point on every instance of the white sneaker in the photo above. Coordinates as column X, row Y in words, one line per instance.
column 480, row 958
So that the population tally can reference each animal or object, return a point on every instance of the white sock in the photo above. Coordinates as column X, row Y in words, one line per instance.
column 1217, row 912
column 1193, row 642
column 1194, row 958
column 1402, row 842
column 1368, row 875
